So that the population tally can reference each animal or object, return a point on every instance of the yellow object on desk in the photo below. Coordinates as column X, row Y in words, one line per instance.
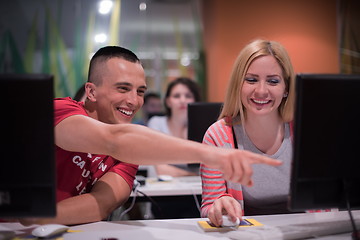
column 207, row 226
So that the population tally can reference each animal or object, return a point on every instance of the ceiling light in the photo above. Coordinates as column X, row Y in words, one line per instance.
column 100, row 38
column 185, row 61
column 105, row 6
column 142, row 6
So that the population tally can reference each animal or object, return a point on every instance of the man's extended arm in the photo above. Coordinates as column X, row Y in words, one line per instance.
column 140, row 145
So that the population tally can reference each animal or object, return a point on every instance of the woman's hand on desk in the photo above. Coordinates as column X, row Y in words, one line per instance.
column 224, row 205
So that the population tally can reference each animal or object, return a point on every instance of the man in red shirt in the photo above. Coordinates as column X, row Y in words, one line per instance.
column 97, row 147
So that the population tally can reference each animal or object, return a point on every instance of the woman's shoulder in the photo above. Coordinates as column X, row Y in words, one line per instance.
column 221, row 123
column 158, row 123
column 219, row 134
column 157, row 119
column 221, row 126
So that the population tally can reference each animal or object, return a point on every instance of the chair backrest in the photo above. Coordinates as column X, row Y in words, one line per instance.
column 200, row 116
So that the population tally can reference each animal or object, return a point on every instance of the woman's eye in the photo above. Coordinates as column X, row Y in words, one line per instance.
column 189, row 96
column 273, row 81
column 250, row 80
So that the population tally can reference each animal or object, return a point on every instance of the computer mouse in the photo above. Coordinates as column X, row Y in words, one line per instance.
column 226, row 222
column 48, row 230
column 165, row 178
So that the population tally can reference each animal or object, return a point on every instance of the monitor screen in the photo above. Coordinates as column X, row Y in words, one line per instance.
column 200, row 116
column 27, row 172
column 326, row 163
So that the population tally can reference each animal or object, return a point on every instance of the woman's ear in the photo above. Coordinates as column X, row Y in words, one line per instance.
column 286, row 94
column 90, row 91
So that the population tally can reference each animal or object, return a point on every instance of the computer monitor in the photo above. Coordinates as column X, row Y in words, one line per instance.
column 200, row 116
column 27, row 169
column 326, row 160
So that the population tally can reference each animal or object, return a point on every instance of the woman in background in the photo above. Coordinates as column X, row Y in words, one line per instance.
column 180, row 92
column 256, row 116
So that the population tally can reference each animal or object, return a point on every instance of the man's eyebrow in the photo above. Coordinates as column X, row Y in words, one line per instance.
column 129, row 84
column 123, row 83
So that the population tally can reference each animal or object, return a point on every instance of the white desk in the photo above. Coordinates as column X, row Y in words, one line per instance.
column 180, row 229
column 185, row 191
column 190, row 185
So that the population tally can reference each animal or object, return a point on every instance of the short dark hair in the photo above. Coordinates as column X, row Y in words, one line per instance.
column 105, row 53
column 151, row 95
column 80, row 93
column 189, row 83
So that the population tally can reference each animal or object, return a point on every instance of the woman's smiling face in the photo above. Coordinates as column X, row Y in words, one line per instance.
column 263, row 88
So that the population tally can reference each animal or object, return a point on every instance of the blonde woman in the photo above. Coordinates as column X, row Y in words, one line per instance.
column 256, row 116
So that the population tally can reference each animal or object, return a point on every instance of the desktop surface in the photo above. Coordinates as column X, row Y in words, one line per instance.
column 178, row 186
column 282, row 226
column 180, row 197
column 179, row 229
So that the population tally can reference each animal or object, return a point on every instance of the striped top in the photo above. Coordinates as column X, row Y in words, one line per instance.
column 214, row 186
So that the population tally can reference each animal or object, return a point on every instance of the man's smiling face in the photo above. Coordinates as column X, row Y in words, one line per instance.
column 120, row 93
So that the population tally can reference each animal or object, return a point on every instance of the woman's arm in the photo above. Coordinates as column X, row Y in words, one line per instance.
column 216, row 199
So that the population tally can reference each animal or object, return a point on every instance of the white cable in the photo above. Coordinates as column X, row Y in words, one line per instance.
column 196, row 201
column 135, row 190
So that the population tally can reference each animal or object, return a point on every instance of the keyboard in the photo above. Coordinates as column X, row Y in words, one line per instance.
column 306, row 230
column 295, row 231
column 300, row 231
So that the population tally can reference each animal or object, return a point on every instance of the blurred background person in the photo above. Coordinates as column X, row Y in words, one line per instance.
column 180, row 92
column 152, row 107
column 80, row 95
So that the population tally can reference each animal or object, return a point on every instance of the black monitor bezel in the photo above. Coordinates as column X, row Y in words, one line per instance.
column 326, row 189
column 29, row 190
column 200, row 116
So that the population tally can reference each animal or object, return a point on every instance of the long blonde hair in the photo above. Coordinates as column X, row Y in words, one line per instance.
column 232, row 105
